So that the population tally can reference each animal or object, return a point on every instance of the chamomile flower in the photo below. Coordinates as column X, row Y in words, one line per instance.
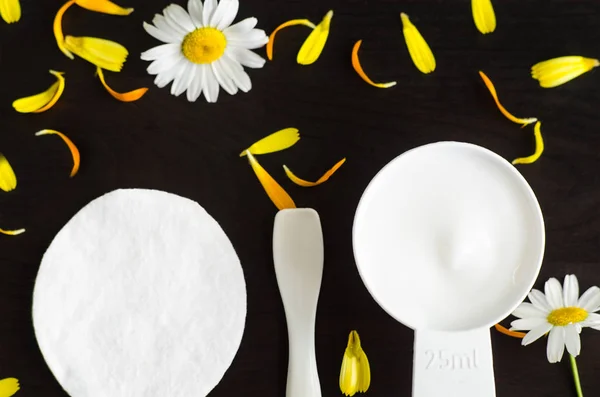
column 561, row 313
column 202, row 52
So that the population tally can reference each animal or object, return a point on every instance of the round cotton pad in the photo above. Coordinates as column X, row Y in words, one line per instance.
column 140, row 294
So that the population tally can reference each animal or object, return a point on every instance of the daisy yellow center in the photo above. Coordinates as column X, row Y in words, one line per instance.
column 567, row 315
column 204, row 45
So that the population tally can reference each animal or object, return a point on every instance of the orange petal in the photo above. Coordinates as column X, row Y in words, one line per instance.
column 70, row 144
column 492, row 89
column 293, row 22
column 278, row 196
column 321, row 180
column 508, row 332
column 358, row 68
column 58, row 32
column 130, row 96
column 12, row 232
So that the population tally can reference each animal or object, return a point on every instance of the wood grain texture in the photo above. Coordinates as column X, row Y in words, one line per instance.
column 166, row 143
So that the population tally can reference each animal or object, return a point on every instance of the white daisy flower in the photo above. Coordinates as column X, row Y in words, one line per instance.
column 202, row 50
column 561, row 313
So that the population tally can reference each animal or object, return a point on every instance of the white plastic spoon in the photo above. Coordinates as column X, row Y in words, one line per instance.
column 298, row 259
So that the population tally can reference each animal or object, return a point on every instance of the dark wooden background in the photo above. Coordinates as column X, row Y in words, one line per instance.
column 191, row 149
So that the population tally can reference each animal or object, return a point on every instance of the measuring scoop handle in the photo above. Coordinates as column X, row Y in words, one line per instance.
column 453, row 364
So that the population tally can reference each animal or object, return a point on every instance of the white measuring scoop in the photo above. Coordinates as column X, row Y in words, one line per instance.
column 449, row 239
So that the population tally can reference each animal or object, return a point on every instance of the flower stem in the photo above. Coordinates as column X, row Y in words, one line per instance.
column 576, row 376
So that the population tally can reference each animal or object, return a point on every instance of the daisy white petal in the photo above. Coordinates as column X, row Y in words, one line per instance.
column 208, row 11
column 571, row 290
column 590, row 300
column 572, row 340
column 556, row 344
column 164, row 64
column 178, row 15
column 230, row 15
column 170, row 20
column 536, row 333
column 181, row 81
column 161, row 51
column 527, row 324
column 538, row 299
column 256, row 38
column 211, row 93
column 579, row 327
column 159, row 34
column 241, row 27
column 246, row 57
column 195, row 11
column 164, row 78
column 554, row 293
column 172, row 28
column 525, row 310
column 224, row 80
column 236, row 73
column 222, row 11
column 195, row 87
column 592, row 320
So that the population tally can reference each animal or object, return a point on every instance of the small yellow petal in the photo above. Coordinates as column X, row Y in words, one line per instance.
column 10, row 10
column 418, row 48
column 275, row 142
column 483, row 15
column 104, row 6
column 539, row 147
column 8, row 179
column 8, row 387
column 506, row 113
column 315, row 42
column 505, row 331
column 324, row 178
column 293, row 22
column 355, row 374
column 278, row 196
column 57, row 27
column 43, row 101
column 103, row 53
column 10, row 233
column 130, row 96
column 557, row 71
column 358, row 69
column 70, row 145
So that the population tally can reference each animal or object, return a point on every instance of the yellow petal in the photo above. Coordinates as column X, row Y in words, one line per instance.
column 539, row 147
column 417, row 46
column 43, row 101
column 315, row 42
column 57, row 27
column 557, row 71
column 505, row 331
column 10, row 233
column 278, row 196
column 9, row 386
column 103, row 53
column 355, row 374
column 358, row 68
column 130, row 96
column 293, row 22
column 70, row 144
column 322, row 179
column 10, row 10
column 8, row 179
column 365, row 373
column 104, row 6
column 492, row 89
column 275, row 142
column 483, row 15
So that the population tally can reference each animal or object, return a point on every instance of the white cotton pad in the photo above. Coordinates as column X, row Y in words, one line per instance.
column 140, row 294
